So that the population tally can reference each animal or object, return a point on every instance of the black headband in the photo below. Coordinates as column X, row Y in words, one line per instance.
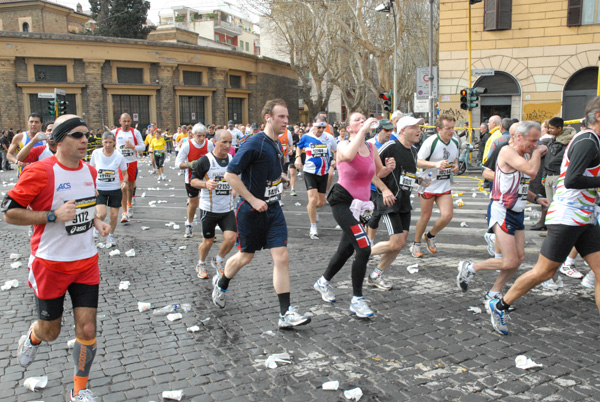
column 59, row 132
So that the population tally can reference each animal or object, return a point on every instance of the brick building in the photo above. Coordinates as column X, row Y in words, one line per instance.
column 544, row 53
column 167, row 83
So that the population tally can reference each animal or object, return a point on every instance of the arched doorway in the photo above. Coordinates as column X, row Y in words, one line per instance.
column 503, row 96
column 579, row 89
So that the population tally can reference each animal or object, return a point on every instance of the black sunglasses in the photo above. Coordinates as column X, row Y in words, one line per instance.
column 78, row 134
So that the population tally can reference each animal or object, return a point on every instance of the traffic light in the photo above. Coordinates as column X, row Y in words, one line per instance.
column 474, row 1
column 387, row 101
column 61, row 107
column 52, row 104
column 470, row 96
column 464, row 99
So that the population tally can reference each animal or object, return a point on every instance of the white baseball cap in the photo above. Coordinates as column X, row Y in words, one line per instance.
column 406, row 121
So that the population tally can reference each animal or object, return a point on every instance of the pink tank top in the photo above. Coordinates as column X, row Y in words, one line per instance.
column 355, row 176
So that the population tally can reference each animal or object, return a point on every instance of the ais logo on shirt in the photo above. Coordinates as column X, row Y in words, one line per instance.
column 63, row 186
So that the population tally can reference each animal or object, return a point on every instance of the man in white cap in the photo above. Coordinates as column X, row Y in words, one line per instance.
column 236, row 134
column 400, row 181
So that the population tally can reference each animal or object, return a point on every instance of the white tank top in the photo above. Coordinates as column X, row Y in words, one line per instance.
column 219, row 200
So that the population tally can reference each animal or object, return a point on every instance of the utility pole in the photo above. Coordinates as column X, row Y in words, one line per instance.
column 431, row 77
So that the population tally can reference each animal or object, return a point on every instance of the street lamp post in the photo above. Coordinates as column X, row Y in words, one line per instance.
column 431, row 77
column 386, row 8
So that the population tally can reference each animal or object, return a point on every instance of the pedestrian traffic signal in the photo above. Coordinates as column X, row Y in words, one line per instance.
column 387, row 101
column 470, row 96
column 52, row 107
column 61, row 107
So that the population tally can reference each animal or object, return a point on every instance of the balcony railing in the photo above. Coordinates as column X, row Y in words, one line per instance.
column 227, row 28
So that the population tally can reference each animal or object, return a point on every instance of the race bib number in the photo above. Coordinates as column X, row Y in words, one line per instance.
column 407, row 181
column 523, row 188
column 106, row 175
column 445, row 174
column 319, row 151
column 158, row 153
column 223, row 188
column 126, row 151
column 84, row 216
column 273, row 191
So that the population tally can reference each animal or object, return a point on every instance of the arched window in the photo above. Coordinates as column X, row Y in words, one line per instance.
column 25, row 27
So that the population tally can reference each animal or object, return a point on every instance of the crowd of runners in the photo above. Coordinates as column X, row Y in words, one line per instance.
column 234, row 177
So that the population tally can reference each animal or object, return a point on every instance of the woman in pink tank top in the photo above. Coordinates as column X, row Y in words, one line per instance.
column 357, row 164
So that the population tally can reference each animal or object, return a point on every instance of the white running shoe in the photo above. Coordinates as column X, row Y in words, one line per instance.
column 326, row 291
column 490, row 239
column 85, row 395
column 379, row 282
column 292, row 319
column 130, row 211
column 26, row 351
column 360, row 307
column 110, row 240
column 571, row 271
column 589, row 280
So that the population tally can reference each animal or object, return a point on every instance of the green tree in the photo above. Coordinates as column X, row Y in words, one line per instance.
column 121, row 18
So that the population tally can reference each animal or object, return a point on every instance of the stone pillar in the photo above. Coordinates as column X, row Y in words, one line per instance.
column 93, row 104
column 219, row 100
column 10, row 115
column 166, row 97
column 254, row 108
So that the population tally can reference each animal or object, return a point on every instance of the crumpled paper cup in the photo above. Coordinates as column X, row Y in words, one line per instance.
column 174, row 316
column 331, row 385
column 36, row 382
column 14, row 256
column 524, row 362
column 275, row 358
column 16, row 264
column 13, row 283
column 194, row 328
column 173, row 395
column 413, row 269
column 114, row 252
column 353, row 394
column 124, row 285
column 144, row 306
column 130, row 253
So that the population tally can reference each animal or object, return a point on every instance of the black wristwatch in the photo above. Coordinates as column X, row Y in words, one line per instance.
column 51, row 216
column 537, row 197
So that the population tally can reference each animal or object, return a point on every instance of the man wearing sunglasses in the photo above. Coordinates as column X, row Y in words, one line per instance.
column 129, row 142
column 58, row 196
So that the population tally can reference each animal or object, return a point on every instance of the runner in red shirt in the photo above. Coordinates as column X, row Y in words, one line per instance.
column 58, row 196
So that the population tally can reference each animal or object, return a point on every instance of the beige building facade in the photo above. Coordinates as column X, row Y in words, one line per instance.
column 544, row 54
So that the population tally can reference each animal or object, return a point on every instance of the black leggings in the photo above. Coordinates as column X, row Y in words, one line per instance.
column 159, row 159
column 354, row 238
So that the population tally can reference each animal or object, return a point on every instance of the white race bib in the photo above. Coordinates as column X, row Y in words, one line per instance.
column 84, row 216
column 273, row 191
column 106, row 175
column 407, row 181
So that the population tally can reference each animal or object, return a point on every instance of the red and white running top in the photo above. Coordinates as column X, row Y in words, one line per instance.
column 190, row 151
column 45, row 186
column 134, row 137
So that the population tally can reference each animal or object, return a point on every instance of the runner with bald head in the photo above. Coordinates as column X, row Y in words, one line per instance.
column 58, row 196
column 129, row 142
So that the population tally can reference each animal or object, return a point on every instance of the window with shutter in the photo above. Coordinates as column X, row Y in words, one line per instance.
column 497, row 15
column 574, row 13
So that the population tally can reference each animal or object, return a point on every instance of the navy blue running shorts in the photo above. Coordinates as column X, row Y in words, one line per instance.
column 258, row 230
